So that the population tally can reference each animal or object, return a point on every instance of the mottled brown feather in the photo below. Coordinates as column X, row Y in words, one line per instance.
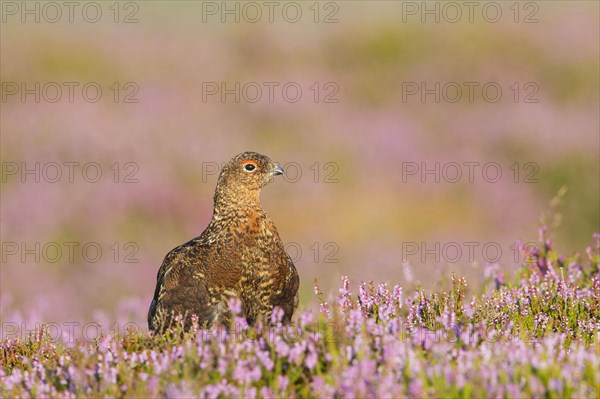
column 239, row 254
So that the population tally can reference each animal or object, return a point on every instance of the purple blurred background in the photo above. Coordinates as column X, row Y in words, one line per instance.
column 349, row 204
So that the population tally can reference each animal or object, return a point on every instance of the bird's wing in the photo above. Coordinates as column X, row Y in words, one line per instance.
column 293, row 283
column 288, row 298
column 164, row 279
column 179, row 285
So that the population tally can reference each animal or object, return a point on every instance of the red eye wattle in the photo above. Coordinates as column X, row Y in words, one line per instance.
column 249, row 166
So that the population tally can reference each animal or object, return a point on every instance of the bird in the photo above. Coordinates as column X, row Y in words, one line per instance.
column 239, row 255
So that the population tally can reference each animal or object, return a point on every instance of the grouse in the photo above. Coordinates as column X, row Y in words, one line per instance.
column 239, row 255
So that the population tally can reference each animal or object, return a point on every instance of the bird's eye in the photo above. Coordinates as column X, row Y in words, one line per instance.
column 249, row 166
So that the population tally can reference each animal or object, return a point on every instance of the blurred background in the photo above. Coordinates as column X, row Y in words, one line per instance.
column 418, row 138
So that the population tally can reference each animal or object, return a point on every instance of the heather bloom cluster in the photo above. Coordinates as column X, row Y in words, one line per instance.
column 535, row 334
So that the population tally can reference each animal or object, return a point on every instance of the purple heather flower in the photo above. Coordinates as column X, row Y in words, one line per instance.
column 181, row 390
column 222, row 365
column 250, row 393
column 281, row 348
column 235, row 306
column 282, row 382
column 211, row 391
column 321, row 388
column 345, row 286
column 398, row 296
column 267, row 393
column 306, row 318
column 297, row 352
column 425, row 338
column 343, row 298
column 324, row 307
column 246, row 373
column 364, row 297
column 241, row 323
column 415, row 388
column 311, row 358
column 354, row 321
column 277, row 315
column 265, row 359
column 325, row 310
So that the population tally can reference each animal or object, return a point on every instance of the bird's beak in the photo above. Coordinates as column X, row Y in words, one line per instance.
column 277, row 170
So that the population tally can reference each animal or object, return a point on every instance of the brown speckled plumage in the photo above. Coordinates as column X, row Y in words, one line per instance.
column 239, row 255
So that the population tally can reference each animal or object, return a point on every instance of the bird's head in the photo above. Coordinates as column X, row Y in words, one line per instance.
column 243, row 177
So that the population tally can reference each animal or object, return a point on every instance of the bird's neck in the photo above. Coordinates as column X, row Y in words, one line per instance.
column 227, row 202
column 237, row 210
column 250, row 219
